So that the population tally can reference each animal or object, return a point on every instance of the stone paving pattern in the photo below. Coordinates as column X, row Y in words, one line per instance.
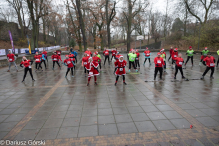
column 67, row 112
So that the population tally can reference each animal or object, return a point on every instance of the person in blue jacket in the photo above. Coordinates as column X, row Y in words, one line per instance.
column 43, row 59
column 75, row 55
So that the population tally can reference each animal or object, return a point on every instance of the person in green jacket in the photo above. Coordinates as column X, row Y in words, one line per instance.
column 218, row 58
column 164, row 59
column 204, row 54
column 131, row 57
column 99, row 61
column 190, row 54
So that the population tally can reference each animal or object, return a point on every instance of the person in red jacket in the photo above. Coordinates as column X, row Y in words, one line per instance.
column 70, row 64
column 147, row 54
column 88, row 52
column 38, row 58
column 45, row 54
column 179, row 63
column 137, row 64
column 55, row 59
column 171, row 51
column 114, row 52
column 11, row 59
column 58, row 52
column 174, row 55
column 72, row 57
column 106, row 54
column 27, row 67
column 92, row 66
column 84, row 63
column 120, row 69
column 158, row 61
column 209, row 61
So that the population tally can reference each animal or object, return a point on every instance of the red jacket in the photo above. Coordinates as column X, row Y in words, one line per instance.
column 117, row 56
column 106, row 53
column 56, row 58
column 147, row 53
column 138, row 55
column 210, row 61
column 88, row 53
column 174, row 55
column 96, row 59
column 71, row 57
column 85, row 60
column 45, row 53
column 114, row 52
column 37, row 58
column 69, row 63
column 26, row 63
column 158, row 61
column 10, row 57
column 120, row 64
column 171, row 51
column 179, row 61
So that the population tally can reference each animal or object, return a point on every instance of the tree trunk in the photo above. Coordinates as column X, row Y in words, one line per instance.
column 129, row 24
column 81, row 24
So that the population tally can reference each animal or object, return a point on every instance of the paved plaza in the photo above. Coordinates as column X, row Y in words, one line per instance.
column 65, row 111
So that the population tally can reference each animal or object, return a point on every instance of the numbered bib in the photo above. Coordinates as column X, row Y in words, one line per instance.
column 190, row 53
column 132, row 58
column 211, row 64
column 85, row 63
column 37, row 59
column 68, row 62
column 120, row 69
column 136, row 58
column 10, row 59
column 30, row 66
column 175, row 56
column 158, row 61
column 148, row 54
column 55, row 58
column 90, row 73
column 180, row 63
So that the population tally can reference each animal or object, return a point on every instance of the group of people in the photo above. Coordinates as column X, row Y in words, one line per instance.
column 92, row 62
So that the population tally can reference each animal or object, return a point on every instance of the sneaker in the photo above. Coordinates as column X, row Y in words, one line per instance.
column 95, row 83
column 115, row 84
column 65, row 76
column 52, row 68
column 33, row 80
column 136, row 70
column 72, row 76
column 154, row 79
column 87, row 84
column 22, row 81
column 60, row 67
column 183, row 77
column 35, row 70
column 143, row 64
column 211, row 77
column 174, row 77
column 200, row 63
column 8, row 71
column 150, row 64
column 202, row 78
column 129, row 70
column 172, row 67
column 124, row 83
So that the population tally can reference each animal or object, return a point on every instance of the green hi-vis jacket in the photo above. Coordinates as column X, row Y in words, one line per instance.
column 163, row 56
column 190, row 52
column 132, row 56
column 205, row 52
column 218, row 52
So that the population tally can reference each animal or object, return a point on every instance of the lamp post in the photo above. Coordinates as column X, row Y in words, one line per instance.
column 199, row 32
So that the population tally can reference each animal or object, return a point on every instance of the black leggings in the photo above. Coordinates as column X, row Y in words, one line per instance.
column 207, row 69
column 180, row 69
column 146, row 60
column 76, row 59
column 85, row 70
column 55, row 62
column 123, row 77
column 165, row 65
column 68, row 69
column 100, row 65
column 113, row 57
column 43, row 61
column 26, row 69
column 188, row 57
column 173, row 61
column 169, row 58
column 132, row 63
column 106, row 57
column 39, row 65
column 160, row 69
column 137, row 63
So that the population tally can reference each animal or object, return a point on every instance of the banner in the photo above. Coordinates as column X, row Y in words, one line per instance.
column 12, row 43
column 28, row 45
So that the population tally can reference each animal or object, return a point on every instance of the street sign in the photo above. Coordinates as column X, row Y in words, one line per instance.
column 140, row 37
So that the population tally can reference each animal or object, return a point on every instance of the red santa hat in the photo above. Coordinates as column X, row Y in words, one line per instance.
column 121, row 56
column 190, row 47
column 176, row 49
column 158, row 54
